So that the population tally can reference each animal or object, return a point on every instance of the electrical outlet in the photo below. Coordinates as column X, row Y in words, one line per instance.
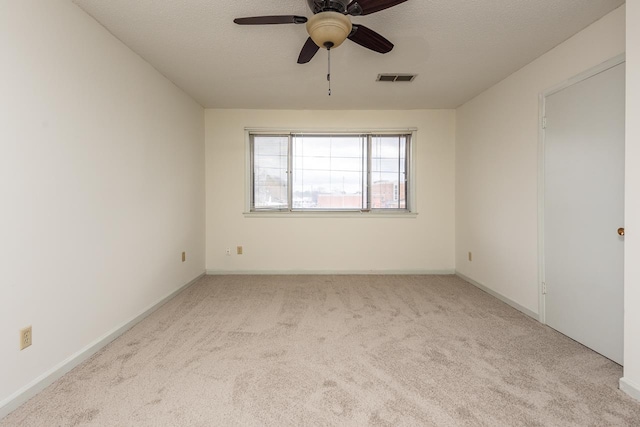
column 26, row 337
column 184, row 256
column 228, row 252
column 239, row 250
column 470, row 256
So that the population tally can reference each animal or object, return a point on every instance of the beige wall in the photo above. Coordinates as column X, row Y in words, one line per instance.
column 317, row 244
column 631, row 381
column 101, row 185
column 497, row 164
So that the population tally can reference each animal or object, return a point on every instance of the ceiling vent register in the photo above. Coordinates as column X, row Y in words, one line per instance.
column 396, row 77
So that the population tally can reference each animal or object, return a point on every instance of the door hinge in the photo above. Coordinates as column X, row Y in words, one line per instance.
column 544, row 123
column 544, row 288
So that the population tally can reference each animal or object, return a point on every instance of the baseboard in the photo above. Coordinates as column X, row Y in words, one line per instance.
column 631, row 388
column 499, row 296
column 12, row 402
column 327, row 272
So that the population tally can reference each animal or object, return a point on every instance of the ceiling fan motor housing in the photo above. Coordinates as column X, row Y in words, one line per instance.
column 318, row 6
column 329, row 29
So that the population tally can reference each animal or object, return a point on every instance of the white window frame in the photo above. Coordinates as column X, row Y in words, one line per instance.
column 409, row 212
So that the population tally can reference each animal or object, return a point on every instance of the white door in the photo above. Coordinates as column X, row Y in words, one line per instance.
column 583, row 209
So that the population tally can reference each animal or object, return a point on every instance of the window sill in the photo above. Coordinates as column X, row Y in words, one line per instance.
column 333, row 214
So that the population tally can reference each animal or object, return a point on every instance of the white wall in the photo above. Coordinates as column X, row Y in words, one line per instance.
column 631, row 381
column 497, row 164
column 329, row 244
column 101, row 187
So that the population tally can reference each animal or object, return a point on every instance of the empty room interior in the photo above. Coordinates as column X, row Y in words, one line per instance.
column 369, row 212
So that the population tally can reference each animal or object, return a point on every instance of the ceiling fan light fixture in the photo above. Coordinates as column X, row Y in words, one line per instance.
column 329, row 29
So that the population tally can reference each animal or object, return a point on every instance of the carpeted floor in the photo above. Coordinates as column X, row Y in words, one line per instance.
column 336, row 350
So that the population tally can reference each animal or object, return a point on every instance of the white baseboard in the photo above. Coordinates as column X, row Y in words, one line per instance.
column 500, row 297
column 631, row 388
column 12, row 402
column 328, row 272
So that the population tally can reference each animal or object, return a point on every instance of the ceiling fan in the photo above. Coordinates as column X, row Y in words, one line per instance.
column 330, row 25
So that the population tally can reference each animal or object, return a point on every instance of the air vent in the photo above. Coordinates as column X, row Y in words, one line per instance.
column 396, row 77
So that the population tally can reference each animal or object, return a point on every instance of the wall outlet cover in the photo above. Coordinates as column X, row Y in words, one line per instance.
column 26, row 337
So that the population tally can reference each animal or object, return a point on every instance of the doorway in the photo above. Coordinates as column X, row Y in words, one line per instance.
column 583, row 208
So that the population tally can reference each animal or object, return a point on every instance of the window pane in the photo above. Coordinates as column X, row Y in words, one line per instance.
column 388, row 172
column 329, row 172
column 270, row 172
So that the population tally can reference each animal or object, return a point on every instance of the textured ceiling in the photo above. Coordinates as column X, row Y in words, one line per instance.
column 458, row 48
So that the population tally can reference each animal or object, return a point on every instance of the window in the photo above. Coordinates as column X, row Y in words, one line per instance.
column 270, row 172
column 329, row 172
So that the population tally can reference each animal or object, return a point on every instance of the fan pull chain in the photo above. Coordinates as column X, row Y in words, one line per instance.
column 329, row 71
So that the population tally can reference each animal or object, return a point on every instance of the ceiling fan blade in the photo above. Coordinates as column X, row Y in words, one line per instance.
column 266, row 20
column 370, row 39
column 308, row 51
column 366, row 7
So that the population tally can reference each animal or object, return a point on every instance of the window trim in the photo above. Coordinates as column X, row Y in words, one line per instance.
column 409, row 212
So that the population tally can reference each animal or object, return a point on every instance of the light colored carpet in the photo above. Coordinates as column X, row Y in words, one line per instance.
column 336, row 350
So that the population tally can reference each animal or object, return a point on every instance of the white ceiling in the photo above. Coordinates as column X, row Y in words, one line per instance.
column 458, row 48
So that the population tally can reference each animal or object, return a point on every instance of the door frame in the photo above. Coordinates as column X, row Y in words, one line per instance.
column 604, row 66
